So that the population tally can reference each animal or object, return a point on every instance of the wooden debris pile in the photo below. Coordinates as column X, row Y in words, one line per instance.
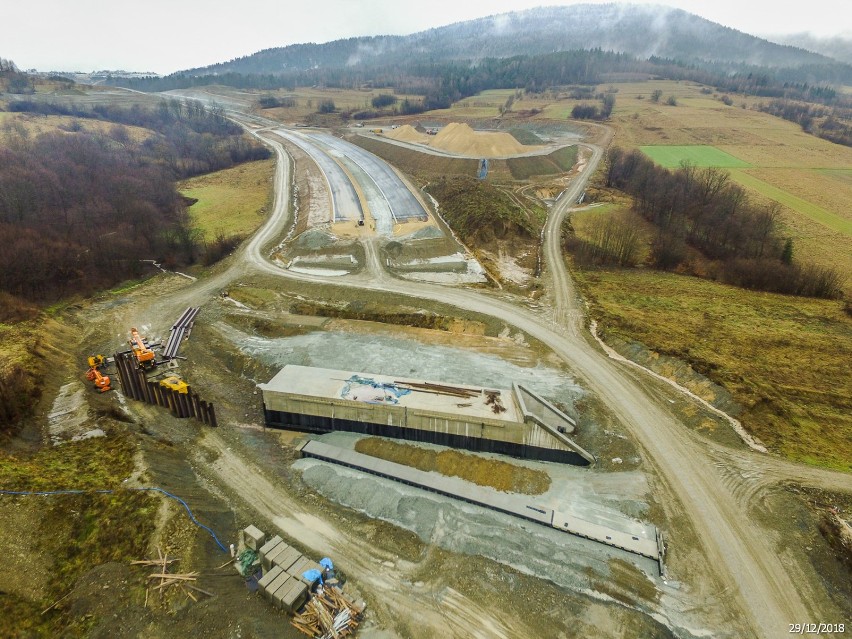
column 329, row 614
column 170, row 582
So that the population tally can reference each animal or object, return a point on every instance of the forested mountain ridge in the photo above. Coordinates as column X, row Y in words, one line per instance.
column 639, row 30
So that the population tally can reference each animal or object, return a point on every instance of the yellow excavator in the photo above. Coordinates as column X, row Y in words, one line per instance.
column 94, row 374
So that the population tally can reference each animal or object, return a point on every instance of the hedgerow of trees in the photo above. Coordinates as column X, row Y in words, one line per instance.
column 702, row 210
column 830, row 123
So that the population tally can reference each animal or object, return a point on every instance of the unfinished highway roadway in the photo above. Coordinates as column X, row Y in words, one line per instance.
column 760, row 593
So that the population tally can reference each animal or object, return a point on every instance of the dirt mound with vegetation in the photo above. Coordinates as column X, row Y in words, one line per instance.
column 493, row 473
column 480, row 212
column 460, row 138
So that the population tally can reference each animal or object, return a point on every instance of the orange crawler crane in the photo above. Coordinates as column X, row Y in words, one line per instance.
column 100, row 381
column 144, row 355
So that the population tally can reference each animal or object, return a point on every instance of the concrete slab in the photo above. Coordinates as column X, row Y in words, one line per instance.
column 303, row 565
column 275, row 584
column 266, row 560
column 290, row 595
column 371, row 388
column 269, row 545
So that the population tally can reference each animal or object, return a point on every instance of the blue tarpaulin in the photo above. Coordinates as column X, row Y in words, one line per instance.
column 325, row 562
column 312, row 575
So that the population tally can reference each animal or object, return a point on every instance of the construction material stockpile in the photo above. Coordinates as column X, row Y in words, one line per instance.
column 183, row 582
column 297, row 584
column 182, row 327
column 492, row 397
column 461, row 139
column 328, row 614
column 172, row 392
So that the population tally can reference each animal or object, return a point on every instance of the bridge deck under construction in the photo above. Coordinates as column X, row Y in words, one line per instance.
column 514, row 421
column 617, row 532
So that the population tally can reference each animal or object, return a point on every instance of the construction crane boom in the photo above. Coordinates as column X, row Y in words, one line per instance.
column 144, row 355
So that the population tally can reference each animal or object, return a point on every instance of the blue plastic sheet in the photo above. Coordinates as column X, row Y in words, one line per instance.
column 312, row 575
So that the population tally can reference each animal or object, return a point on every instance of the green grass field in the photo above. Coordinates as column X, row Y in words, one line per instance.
column 525, row 136
column 672, row 156
column 843, row 175
column 232, row 201
column 560, row 161
column 785, row 359
column 816, row 213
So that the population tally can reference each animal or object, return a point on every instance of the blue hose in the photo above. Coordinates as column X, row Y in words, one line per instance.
column 106, row 492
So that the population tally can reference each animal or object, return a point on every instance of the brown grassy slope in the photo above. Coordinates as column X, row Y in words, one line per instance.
column 75, row 533
column 785, row 359
column 415, row 162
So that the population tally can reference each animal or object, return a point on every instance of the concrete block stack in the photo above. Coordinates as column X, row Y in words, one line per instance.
column 280, row 582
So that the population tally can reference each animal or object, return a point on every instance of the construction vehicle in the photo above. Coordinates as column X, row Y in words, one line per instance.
column 144, row 355
column 95, row 376
column 176, row 384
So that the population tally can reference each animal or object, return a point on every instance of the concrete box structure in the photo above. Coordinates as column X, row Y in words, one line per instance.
column 301, row 566
column 253, row 537
column 267, row 557
column 286, row 558
column 268, row 577
column 275, row 584
column 513, row 422
column 290, row 595
column 269, row 545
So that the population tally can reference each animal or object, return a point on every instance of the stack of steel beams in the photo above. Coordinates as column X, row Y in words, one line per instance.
column 181, row 328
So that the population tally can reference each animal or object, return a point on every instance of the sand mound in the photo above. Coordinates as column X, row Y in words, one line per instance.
column 407, row 133
column 460, row 138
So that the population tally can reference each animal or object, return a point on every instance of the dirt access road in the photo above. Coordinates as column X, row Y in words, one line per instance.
column 741, row 551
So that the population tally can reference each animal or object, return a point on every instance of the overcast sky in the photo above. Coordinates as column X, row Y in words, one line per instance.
column 168, row 35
